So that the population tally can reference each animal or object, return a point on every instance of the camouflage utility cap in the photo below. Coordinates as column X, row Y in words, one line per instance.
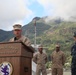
column 17, row 27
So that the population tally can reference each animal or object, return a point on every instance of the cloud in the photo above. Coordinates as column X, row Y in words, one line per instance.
column 12, row 11
column 17, row 11
column 60, row 8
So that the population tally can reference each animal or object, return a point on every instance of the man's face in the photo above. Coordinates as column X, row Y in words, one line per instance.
column 57, row 48
column 75, row 38
column 40, row 49
column 17, row 32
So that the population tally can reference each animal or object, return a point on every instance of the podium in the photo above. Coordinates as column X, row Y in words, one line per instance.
column 15, row 59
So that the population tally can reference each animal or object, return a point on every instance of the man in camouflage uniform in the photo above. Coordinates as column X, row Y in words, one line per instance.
column 40, row 58
column 73, row 53
column 17, row 30
column 58, row 60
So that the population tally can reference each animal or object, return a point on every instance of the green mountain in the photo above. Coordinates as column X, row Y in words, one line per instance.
column 41, row 27
column 47, row 33
column 5, row 35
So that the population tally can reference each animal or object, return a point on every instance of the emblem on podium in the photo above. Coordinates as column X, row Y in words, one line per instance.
column 5, row 68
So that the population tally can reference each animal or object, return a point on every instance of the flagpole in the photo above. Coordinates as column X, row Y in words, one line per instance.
column 35, row 35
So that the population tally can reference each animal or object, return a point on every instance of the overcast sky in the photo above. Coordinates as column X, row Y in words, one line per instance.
column 23, row 11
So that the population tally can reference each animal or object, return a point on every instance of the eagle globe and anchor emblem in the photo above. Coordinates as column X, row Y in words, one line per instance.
column 5, row 68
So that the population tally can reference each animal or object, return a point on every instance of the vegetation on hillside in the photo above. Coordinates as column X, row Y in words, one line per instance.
column 48, row 34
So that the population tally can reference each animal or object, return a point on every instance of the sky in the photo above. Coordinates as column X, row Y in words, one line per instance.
column 23, row 11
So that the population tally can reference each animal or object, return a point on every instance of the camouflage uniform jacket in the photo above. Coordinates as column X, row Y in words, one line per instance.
column 73, row 53
column 58, row 59
column 23, row 39
column 40, row 59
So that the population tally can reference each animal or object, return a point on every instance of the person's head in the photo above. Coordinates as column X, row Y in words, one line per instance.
column 17, row 30
column 40, row 48
column 57, row 47
column 74, row 36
